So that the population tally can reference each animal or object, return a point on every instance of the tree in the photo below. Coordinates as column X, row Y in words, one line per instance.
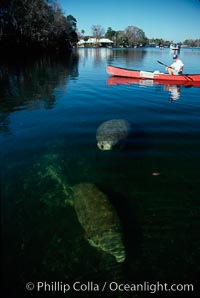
column 82, row 32
column 71, row 29
column 134, row 35
column 110, row 33
column 36, row 22
column 97, row 31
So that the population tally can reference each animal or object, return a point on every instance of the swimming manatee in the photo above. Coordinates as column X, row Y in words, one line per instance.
column 99, row 220
column 94, row 212
column 112, row 133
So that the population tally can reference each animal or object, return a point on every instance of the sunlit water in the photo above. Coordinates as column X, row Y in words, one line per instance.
column 50, row 109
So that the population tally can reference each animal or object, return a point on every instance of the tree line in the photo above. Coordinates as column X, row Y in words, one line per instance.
column 41, row 24
column 192, row 43
column 129, row 37
column 133, row 36
column 31, row 24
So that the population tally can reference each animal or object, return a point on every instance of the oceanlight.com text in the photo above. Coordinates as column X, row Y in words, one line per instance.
column 151, row 287
column 90, row 286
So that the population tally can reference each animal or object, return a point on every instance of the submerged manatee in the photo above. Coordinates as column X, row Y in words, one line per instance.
column 94, row 212
column 99, row 220
column 112, row 133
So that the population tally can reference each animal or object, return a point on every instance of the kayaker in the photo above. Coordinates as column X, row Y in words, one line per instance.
column 176, row 67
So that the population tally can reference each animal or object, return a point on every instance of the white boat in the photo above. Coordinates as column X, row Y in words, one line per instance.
column 175, row 47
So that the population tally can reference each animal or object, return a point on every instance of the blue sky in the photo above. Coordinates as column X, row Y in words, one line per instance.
column 174, row 20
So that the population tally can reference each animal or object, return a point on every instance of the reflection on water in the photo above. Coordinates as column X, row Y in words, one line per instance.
column 175, row 91
column 50, row 110
column 95, row 55
column 98, row 55
column 32, row 85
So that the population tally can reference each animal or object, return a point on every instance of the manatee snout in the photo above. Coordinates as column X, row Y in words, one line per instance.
column 103, row 145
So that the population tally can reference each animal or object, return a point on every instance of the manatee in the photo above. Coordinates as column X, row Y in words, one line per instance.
column 94, row 212
column 112, row 133
column 99, row 220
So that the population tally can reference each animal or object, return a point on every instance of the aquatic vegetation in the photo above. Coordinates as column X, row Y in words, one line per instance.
column 53, row 187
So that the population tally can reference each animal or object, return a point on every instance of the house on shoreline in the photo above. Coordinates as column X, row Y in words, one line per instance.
column 95, row 42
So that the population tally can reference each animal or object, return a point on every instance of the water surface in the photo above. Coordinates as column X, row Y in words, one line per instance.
column 50, row 109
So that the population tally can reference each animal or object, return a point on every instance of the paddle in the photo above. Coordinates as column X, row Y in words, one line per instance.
column 163, row 64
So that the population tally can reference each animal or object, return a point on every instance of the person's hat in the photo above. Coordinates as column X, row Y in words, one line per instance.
column 175, row 56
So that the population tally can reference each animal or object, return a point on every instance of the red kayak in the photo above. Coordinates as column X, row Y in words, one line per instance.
column 158, row 76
